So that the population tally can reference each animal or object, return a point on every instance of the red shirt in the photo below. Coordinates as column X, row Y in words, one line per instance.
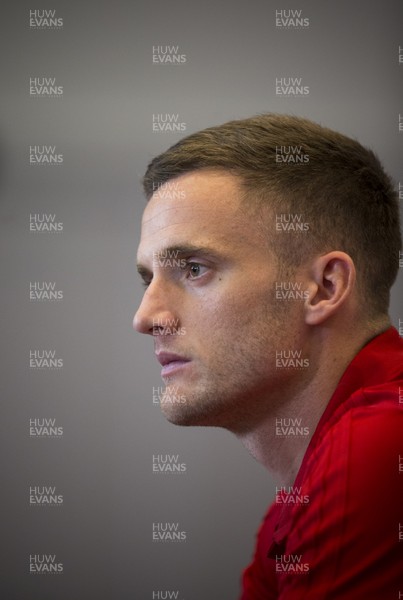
column 338, row 533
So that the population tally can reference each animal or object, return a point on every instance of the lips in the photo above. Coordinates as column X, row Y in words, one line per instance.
column 170, row 362
column 164, row 358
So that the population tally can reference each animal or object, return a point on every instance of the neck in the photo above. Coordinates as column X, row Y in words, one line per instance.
column 280, row 439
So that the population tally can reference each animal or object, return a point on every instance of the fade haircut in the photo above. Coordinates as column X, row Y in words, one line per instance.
column 339, row 189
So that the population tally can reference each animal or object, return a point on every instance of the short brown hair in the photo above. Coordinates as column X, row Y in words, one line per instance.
column 338, row 186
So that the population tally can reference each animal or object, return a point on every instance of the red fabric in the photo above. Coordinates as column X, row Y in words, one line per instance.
column 346, row 536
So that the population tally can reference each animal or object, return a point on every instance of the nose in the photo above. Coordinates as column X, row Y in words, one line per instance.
column 153, row 314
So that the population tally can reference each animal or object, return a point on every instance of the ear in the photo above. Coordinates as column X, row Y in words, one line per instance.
column 332, row 280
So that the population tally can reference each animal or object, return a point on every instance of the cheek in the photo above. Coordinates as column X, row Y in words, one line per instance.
column 237, row 313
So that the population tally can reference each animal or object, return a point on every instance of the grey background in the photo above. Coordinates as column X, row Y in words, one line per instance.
column 103, row 394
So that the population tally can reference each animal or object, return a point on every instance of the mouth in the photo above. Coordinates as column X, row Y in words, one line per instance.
column 171, row 363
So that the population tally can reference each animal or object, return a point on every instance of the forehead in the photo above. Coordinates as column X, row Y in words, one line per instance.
column 196, row 207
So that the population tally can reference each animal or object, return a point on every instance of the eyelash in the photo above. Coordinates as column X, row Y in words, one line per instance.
column 191, row 264
column 186, row 267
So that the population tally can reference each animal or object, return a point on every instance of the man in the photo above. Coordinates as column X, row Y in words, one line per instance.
column 268, row 249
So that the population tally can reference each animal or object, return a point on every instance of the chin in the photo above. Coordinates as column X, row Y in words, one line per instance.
column 182, row 415
column 194, row 409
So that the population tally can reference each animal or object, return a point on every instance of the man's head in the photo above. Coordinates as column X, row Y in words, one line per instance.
column 291, row 166
column 237, row 214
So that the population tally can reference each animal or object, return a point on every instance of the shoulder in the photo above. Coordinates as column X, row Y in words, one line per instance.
column 363, row 440
column 349, row 530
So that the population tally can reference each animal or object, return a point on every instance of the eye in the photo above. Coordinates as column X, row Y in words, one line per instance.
column 195, row 270
column 146, row 282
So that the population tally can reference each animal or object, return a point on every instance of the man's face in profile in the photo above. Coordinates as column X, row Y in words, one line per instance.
column 210, row 302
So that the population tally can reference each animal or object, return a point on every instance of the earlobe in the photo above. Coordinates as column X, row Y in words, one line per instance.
column 332, row 282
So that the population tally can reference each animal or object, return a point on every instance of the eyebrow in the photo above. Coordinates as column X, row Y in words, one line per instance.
column 178, row 251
